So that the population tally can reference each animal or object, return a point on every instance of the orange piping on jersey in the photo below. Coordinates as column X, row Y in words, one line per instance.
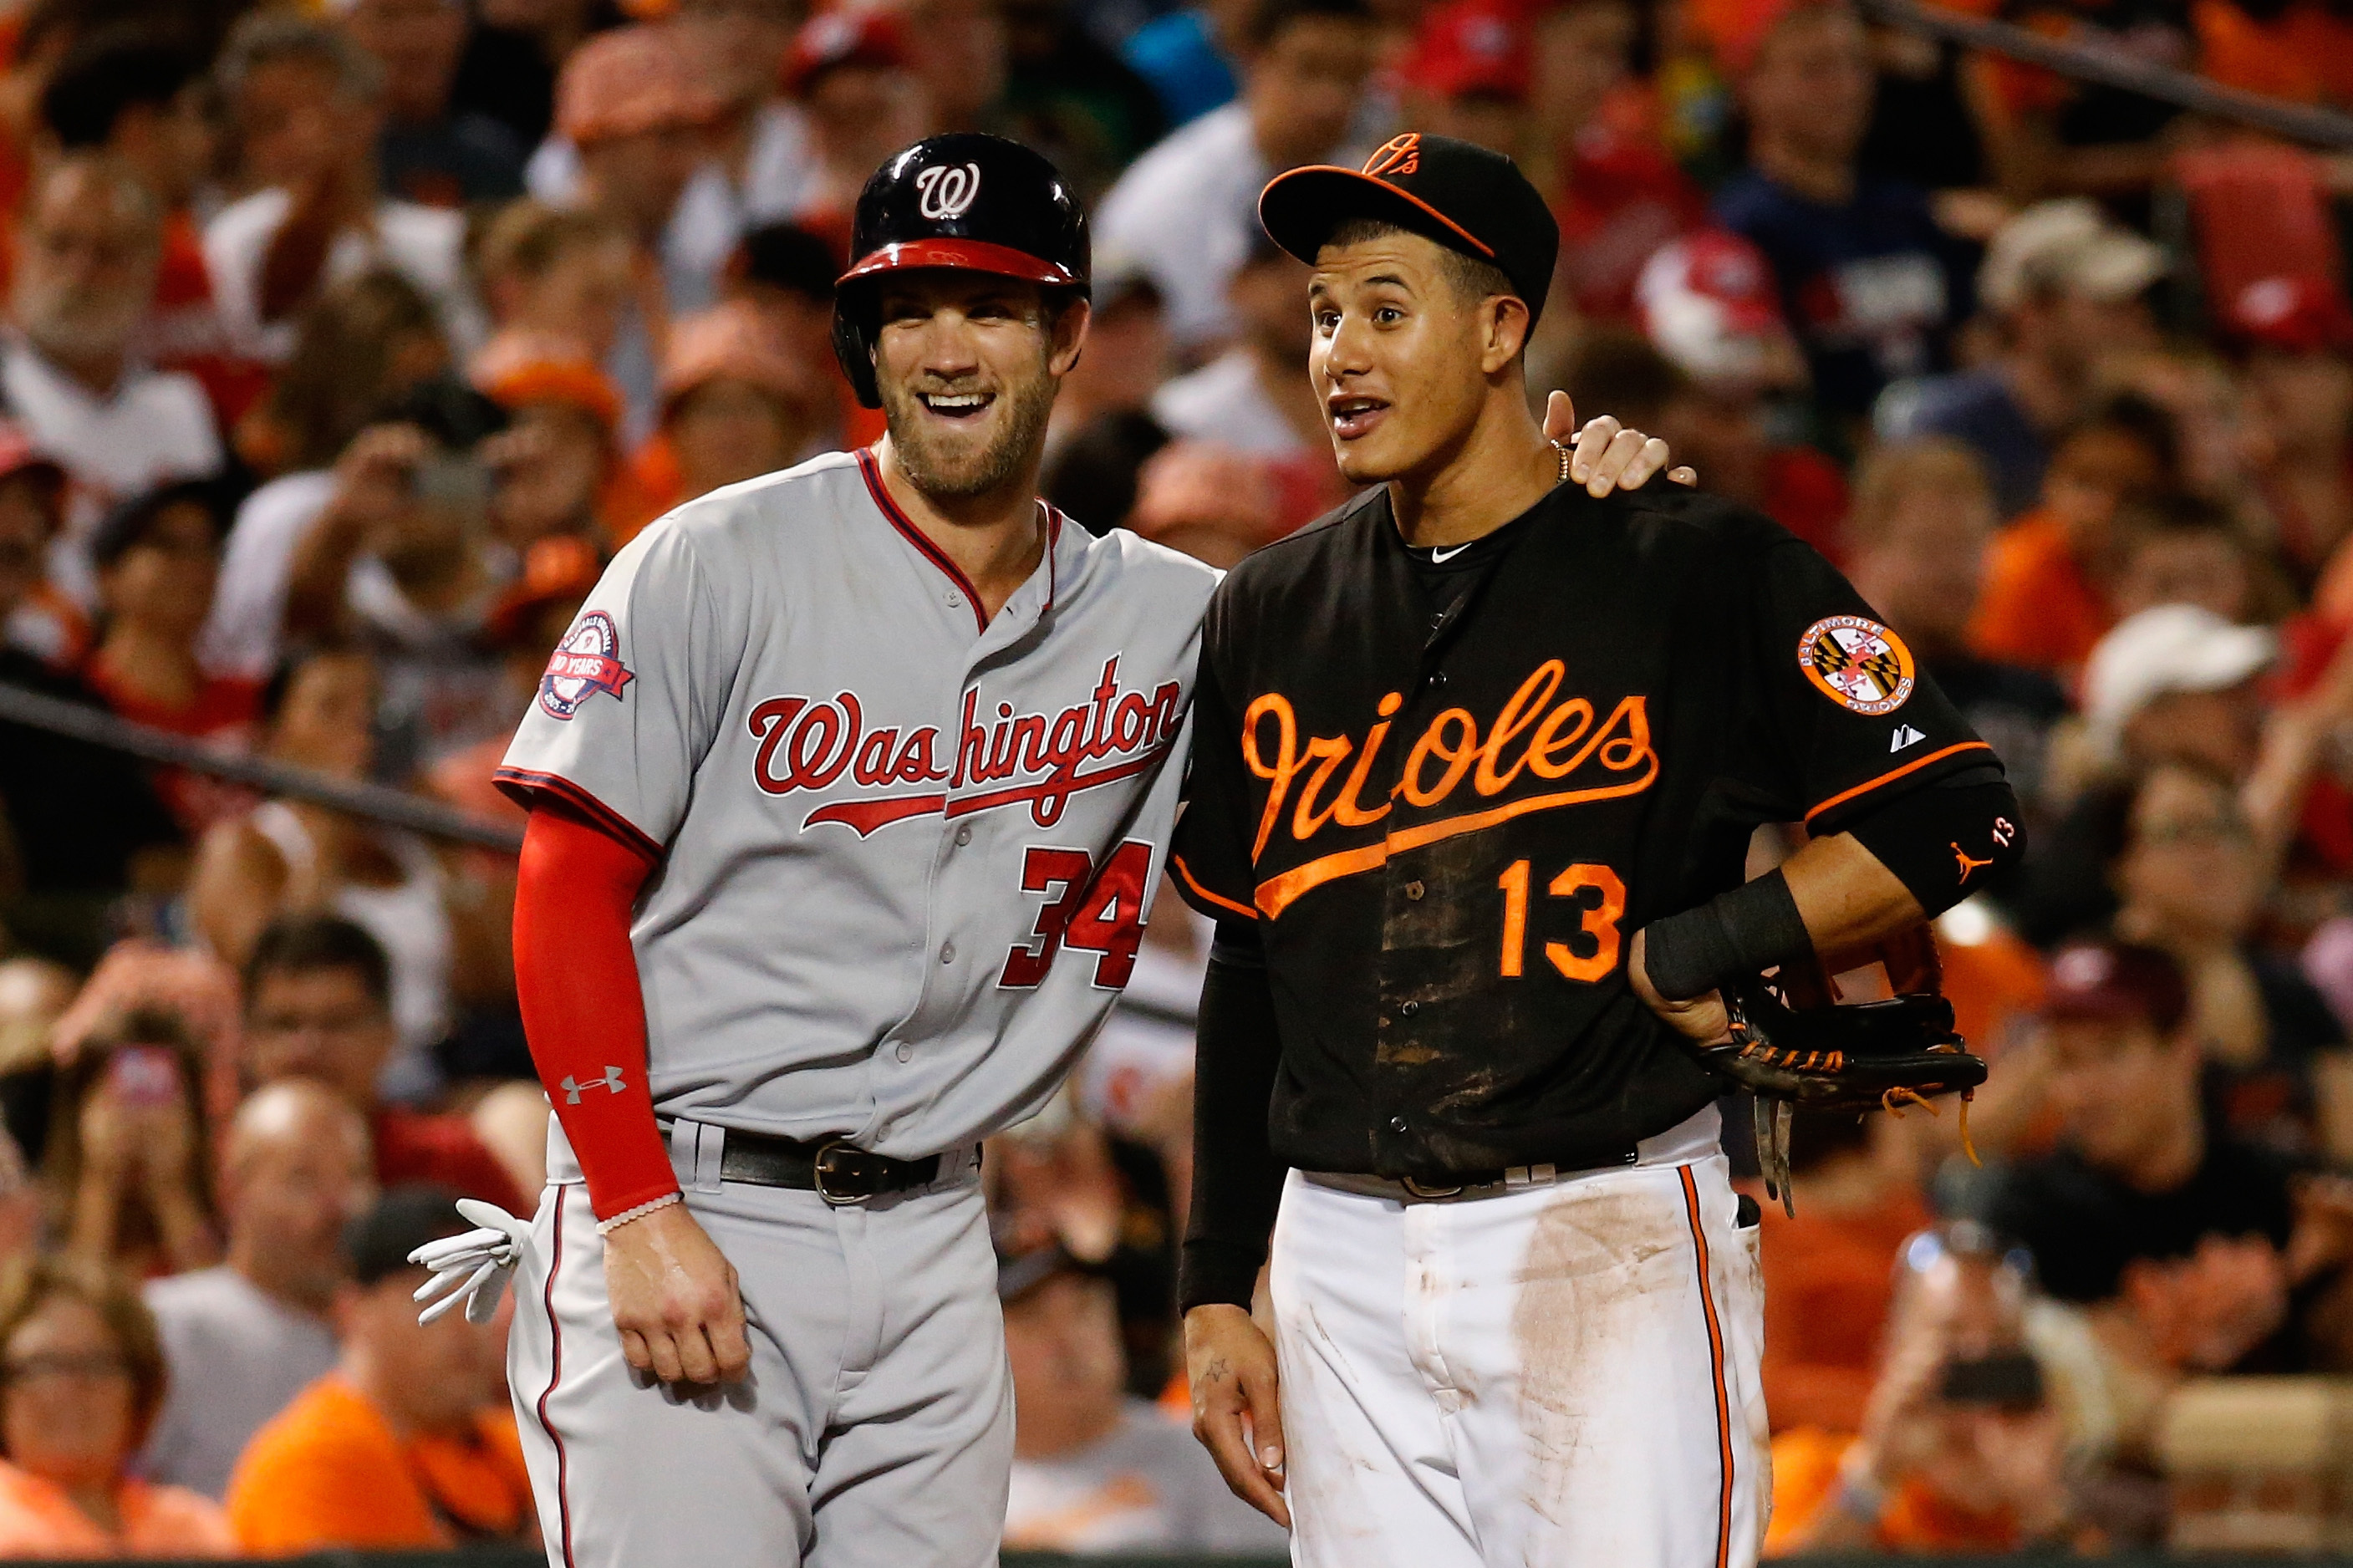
column 1715, row 1363
column 1893, row 773
column 1276, row 894
column 1224, row 903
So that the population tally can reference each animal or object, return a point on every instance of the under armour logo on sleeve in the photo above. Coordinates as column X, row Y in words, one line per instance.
column 573, row 1086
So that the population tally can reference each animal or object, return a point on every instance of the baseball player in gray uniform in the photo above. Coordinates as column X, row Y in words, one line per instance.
column 850, row 788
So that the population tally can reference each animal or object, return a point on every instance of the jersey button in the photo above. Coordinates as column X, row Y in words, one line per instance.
column 1409, row 1008
column 1413, row 891
column 1437, row 680
column 964, row 836
column 1437, row 620
column 905, row 1052
column 955, row 600
column 948, row 952
column 1396, row 1123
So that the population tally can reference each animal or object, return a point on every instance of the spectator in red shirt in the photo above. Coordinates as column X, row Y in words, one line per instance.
column 317, row 1005
column 1617, row 192
column 1468, row 76
column 158, row 557
column 1707, row 301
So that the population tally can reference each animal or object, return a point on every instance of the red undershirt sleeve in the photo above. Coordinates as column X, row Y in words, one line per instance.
column 577, row 979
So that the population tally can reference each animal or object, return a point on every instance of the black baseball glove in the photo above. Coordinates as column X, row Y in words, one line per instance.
column 1791, row 1044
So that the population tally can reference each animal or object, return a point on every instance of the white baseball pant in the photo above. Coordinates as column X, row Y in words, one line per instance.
column 1562, row 1376
column 874, row 1430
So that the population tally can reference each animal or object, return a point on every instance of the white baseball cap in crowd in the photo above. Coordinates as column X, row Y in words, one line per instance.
column 2167, row 648
column 2067, row 246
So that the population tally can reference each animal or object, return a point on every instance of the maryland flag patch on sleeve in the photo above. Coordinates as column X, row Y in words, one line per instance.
column 1857, row 663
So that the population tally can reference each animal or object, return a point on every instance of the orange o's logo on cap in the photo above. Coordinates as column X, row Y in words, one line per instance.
column 1398, row 155
column 1856, row 663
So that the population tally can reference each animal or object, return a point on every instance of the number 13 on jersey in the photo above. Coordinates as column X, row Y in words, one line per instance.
column 1600, row 899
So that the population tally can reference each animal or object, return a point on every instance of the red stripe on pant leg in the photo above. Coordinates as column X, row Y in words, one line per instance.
column 555, row 1376
column 1716, row 1365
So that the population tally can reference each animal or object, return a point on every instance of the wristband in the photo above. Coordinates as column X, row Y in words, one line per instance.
column 608, row 1226
column 1733, row 936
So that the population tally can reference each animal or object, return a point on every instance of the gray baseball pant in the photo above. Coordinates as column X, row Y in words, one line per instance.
column 874, row 1430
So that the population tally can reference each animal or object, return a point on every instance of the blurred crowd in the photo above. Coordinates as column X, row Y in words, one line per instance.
column 345, row 342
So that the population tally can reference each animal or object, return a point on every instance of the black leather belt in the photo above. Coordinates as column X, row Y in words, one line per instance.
column 833, row 1169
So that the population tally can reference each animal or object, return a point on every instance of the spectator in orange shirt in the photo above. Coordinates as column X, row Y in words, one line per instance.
column 81, row 1376
column 735, row 404
column 1961, row 1449
column 1918, row 537
column 409, row 1442
column 2047, row 584
column 554, row 462
column 1830, row 1269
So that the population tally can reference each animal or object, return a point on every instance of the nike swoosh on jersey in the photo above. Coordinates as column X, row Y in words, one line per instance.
column 1440, row 557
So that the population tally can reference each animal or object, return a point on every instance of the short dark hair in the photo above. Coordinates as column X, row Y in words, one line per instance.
column 128, row 525
column 1468, row 276
column 376, row 1244
column 2136, row 418
column 1268, row 18
column 1618, row 369
column 300, row 943
column 104, row 75
column 788, row 257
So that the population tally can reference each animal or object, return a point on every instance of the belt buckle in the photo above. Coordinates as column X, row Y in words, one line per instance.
column 824, row 1168
column 1417, row 1190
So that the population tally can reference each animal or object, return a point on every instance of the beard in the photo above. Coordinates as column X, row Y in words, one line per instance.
column 74, row 324
column 955, row 465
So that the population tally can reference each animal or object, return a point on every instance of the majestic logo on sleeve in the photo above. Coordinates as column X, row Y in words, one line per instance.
column 1038, row 760
column 589, row 660
column 946, row 191
column 1858, row 664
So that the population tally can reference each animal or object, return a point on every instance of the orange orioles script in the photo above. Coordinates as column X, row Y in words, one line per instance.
column 806, row 744
column 1454, row 761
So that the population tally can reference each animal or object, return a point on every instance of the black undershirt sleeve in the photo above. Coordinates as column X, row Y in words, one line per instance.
column 1947, row 840
column 1236, row 1180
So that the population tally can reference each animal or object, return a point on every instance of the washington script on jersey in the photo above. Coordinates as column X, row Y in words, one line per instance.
column 808, row 744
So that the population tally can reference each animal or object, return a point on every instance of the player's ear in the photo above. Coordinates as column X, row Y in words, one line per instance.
column 1069, row 333
column 1506, row 320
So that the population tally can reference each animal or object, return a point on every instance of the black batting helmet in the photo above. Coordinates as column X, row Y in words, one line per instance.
column 975, row 203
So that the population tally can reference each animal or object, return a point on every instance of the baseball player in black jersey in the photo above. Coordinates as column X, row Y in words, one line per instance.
column 1478, row 759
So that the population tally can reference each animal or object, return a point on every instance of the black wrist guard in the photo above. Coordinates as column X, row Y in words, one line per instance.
column 1733, row 936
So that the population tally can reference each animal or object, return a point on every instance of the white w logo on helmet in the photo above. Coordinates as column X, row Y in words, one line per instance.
column 948, row 189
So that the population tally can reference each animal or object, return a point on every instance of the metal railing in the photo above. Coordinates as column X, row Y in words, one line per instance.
column 2111, row 67
column 393, row 807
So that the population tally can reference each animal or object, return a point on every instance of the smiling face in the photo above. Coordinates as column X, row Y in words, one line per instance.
column 1404, row 352
column 967, row 364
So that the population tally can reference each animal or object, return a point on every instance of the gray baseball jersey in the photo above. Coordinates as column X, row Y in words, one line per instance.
column 905, row 855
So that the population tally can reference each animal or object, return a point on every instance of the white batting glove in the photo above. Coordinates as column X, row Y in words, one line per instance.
column 473, row 1267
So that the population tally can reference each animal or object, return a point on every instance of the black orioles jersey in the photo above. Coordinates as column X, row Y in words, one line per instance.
column 1448, row 816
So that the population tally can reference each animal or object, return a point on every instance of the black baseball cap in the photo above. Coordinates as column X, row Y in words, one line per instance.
column 1457, row 193
column 376, row 1244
